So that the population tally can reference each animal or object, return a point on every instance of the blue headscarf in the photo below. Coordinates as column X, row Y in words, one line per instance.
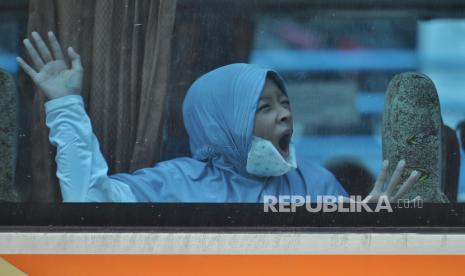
column 219, row 114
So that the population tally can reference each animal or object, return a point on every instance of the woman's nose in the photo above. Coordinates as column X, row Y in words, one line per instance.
column 284, row 115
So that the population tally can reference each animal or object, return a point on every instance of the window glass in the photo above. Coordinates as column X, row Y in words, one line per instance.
column 140, row 59
column 338, row 64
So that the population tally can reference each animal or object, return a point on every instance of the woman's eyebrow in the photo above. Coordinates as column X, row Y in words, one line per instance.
column 265, row 98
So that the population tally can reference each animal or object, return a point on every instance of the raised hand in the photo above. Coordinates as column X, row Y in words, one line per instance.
column 378, row 190
column 50, row 71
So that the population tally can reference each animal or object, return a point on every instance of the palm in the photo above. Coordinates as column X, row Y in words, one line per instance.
column 55, row 77
column 51, row 73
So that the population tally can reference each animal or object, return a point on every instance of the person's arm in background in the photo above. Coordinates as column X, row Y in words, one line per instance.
column 81, row 167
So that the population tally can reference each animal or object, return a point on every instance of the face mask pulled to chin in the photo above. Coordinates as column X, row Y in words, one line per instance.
column 265, row 160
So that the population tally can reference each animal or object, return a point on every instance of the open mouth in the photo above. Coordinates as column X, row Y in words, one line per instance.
column 283, row 144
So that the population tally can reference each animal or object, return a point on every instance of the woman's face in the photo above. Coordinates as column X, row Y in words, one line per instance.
column 273, row 118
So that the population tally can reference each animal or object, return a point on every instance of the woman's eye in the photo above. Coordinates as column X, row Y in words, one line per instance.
column 286, row 103
column 263, row 107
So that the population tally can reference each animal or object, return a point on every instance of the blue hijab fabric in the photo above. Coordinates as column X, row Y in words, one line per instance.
column 219, row 114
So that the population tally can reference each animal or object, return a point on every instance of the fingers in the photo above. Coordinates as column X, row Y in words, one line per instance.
column 406, row 186
column 42, row 47
column 396, row 176
column 40, row 55
column 75, row 59
column 36, row 59
column 382, row 177
column 55, row 45
column 28, row 69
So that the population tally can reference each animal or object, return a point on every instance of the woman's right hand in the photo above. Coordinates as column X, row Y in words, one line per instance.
column 51, row 73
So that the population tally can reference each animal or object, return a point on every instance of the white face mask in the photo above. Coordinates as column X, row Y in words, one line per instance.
column 265, row 160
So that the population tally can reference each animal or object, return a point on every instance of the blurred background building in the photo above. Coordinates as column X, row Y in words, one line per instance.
column 338, row 63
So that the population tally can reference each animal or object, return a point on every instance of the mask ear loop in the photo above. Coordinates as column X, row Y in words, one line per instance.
column 292, row 158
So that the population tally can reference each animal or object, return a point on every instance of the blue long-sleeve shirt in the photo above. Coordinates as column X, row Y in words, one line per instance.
column 215, row 174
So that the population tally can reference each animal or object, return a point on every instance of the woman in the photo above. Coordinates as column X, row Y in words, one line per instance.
column 239, row 123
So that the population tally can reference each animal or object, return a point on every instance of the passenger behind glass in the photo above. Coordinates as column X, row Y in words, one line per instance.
column 239, row 123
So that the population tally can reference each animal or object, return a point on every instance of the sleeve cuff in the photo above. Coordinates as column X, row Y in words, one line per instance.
column 62, row 102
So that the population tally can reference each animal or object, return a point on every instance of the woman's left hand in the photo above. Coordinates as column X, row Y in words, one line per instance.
column 390, row 191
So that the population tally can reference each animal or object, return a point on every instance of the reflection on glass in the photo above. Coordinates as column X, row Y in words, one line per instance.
column 336, row 66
